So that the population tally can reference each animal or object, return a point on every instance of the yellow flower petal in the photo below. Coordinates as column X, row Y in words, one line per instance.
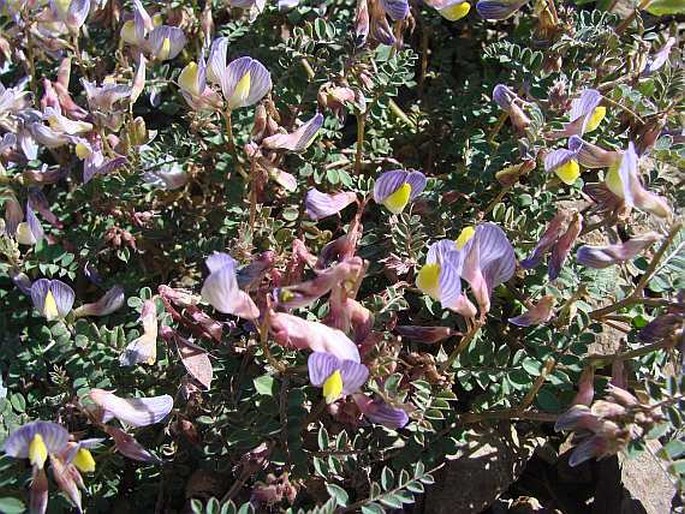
column 428, row 280
column 397, row 201
column 188, row 79
column 596, row 118
column 164, row 50
column 464, row 237
column 84, row 460
column 128, row 33
column 82, row 151
column 333, row 387
column 455, row 11
column 38, row 452
column 614, row 182
column 50, row 307
column 241, row 91
column 62, row 7
column 568, row 172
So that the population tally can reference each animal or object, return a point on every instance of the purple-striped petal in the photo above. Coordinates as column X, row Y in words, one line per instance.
column 216, row 63
column 221, row 291
column 396, row 9
column 354, row 376
column 14, row 214
column 55, row 437
column 379, row 412
column 110, row 302
column 320, row 205
column 592, row 156
column 540, row 313
column 244, row 82
column 498, row 9
column 298, row 140
column 166, row 42
column 135, row 412
column 503, row 96
column 52, row 298
column 490, row 261
column 563, row 246
column 634, row 192
column 321, row 365
column 417, row 180
column 604, row 256
column 388, row 183
column 77, row 14
column 583, row 106
column 558, row 158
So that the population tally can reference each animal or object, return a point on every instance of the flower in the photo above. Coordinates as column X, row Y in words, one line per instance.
column 440, row 276
column 36, row 441
column 295, row 332
column 136, row 412
column 498, row 9
column 244, row 82
column 563, row 246
column 564, row 163
column 624, row 182
column 590, row 155
column 53, row 298
column 380, row 412
column 604, row 256
column 451, row 10
column 72, row 13
column 337, row 377
column 510, row 102
column 194, row 88
column 320, row 205
column 585, row 116
column 165, row 42
column 395, row 189
column 538, row 314
column 29, row 232
column 144, row 348
column 296, row 141
column 110, row 302
column 658, row 59
column 221, row 290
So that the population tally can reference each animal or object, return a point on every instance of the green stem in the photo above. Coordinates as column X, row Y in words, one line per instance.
column 231, row 144
column 361, row 126
column 463, row 344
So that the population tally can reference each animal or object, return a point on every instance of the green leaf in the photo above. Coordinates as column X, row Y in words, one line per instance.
column 11, row 506
column 372, row 508
column 666, row 7
column 337, row 492
column 265, row 385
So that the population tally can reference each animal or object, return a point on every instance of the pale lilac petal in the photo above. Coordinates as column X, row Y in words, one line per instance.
column 578, row 417
column 498, row 9
column 503, row 96
column 379, row 412
column 77, row 14
column 558, row 158
column 135, row 412
column 604, row 256
column 298, row 140
column 219, row 260
column 449, row 280
column 320, row 205
column 217, row 60
column 62, row 294
column 284, row 179
column 417, row 180
column 388, row 183
column 592, row 156
column 634, row 192
column 54, row 436
column 583, row 106
column 354, row 376
column 14, row 215
column 537, row 315
column 221, row 290
column 321, row 365
column 258, row 86
column 110, row 302
column 166, row 42
column 660, row 57
column 595, row 446
column 38, row 494
column 396, row 9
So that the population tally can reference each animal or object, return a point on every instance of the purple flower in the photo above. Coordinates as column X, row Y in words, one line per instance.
column 563, row 246
column 128, row 446
column 586, row 114
column 440, row 276
column 244, row 82
column 510, row 102
column 395, row 189
column 216, row 63
column 592, row 156
column 451, row 10
column 320, row 205
column 605, row 256
column 135, row 412
column 380, row 412
column 296, row 141
column 338, row 378
column 498, row 9
column 110, row 302
column 72, row 13
column 538, row 314
column 660, row 58
column 624, row 181
column 143, row 349
column 559, row 236
column 52, row 298
column 221, row 288
column 564, row 163
column 35, row 441
column 29, row 232
column 165, row 42
column 396, row 9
